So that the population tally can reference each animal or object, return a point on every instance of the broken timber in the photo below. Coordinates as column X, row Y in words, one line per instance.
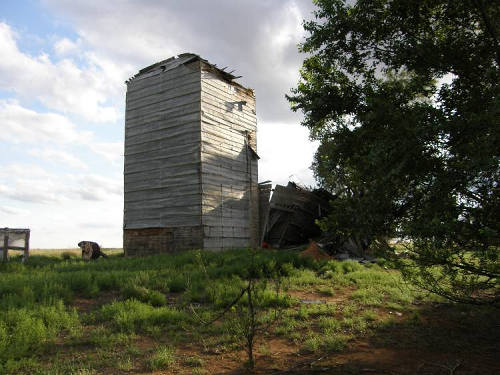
column 292, row 214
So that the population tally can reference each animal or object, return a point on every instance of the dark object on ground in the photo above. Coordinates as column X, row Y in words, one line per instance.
column 292, row 215
column 91, row 250
column 342, row 248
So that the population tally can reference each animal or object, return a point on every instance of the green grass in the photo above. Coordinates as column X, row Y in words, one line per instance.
column 162, row 358
column 328, row 342
column 193, row 361
column 165, row 300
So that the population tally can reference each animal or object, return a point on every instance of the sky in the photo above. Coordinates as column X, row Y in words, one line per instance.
column 62, row 93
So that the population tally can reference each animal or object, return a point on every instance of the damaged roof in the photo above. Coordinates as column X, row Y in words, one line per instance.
column 185, row 58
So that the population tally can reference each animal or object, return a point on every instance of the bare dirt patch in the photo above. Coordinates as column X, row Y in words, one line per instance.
column 85, row 305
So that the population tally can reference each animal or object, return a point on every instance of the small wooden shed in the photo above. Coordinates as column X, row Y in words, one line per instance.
column 191, row 163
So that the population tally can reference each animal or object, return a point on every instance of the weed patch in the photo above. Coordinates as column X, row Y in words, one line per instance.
column 162, row 358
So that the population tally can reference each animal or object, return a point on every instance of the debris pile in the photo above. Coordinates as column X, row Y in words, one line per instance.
column 293, row 211
column 290, row 220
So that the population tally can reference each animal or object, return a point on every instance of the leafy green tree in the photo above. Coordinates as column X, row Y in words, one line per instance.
column 403, row 96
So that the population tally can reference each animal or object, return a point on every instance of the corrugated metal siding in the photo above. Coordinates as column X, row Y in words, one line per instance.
column 229, row 169
column 162, row 149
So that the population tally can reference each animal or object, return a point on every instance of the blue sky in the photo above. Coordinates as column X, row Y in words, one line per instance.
column 62, row 93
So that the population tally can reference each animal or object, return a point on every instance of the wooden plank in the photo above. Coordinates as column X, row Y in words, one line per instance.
column 227, row 232
column 164, row 212
column 226, row 243
column 229, row 103
column 169, row 201
column 216, row 90
column 215, row 117
column 225, row 221
column 220, row 128
column 225, row 152
column 154, row 93
column 138, row 223
column 157, row 100
column 228, row 190
column 27, row 246
column 157, row 108
column 5, row 246
column 167, row 183
column 242, row 183
column 161, row 192
column 225, row 211
column 191, row 148
column 165, row 115
column 226, row 90
column 182, row 120
column 216, row 168
column 160, row 77
column 223, row 167
column 161, row 86
column 180, row 220
column 175, row 155
column 169, row 138
column 209, row 106
column 155, row 170
column 235, row 87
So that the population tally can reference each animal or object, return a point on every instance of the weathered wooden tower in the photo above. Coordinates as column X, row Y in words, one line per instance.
column 190, row 159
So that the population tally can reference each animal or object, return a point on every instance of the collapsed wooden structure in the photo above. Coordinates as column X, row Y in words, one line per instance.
column 14, row 239
column 191, row 162
column 292, row 213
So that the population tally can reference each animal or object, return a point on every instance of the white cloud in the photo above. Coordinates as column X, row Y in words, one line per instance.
column 21, row 125
column 19, row 184
column 13, row 210
column 259, row 38
column 14, row 170
column 32, row 190
column 59, row 156
column 65, row 47
column 61, row 86
column 290, row 161
column 111, row 151
column 63, row 209
column 94, row 187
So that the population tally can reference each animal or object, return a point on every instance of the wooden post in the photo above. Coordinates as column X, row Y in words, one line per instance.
column 5, row 246
column 27, row 246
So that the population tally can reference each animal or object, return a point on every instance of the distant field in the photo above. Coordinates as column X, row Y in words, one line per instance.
column 59, row 252
column 163, row 315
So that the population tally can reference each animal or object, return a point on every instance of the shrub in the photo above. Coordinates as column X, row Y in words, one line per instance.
column 22, row 331
column 143, row 294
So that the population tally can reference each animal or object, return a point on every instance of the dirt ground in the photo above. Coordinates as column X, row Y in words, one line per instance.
column 445, row 342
